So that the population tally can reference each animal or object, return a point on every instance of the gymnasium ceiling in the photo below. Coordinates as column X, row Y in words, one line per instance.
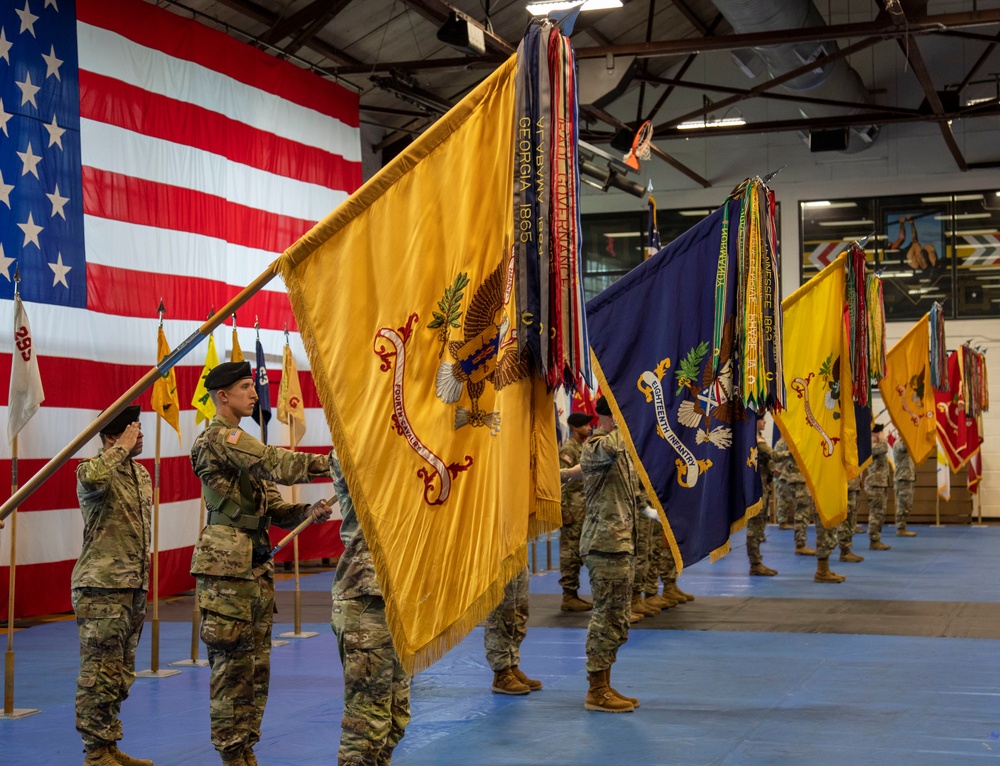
column 667, row 61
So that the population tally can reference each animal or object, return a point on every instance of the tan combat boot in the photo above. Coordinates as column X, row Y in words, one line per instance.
column 640, row 608
column 506, row 682
column 533, row 684
column 805, row 551
column 632, row 700
column 126, row 760
column 823, row 573
column 601, row 698
column 635, row 617
column 659, row 602
column 904, row 532
column 879, row 546
column 99, row 756
column 851, row 558
column 573, row 603
column 786, row 525
column 672, row 591
column 759, row 570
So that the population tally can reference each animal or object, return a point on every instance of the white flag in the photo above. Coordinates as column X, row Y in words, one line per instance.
column 25, row 381
column 943, row 474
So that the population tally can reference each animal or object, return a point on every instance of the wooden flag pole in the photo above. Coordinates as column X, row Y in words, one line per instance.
column 137, row 388
column 297, row 626
column 194, row 662
column 154, row 667
column 9, row 711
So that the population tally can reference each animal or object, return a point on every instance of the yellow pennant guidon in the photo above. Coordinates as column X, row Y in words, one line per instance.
column 689, row 468
column 907, row 392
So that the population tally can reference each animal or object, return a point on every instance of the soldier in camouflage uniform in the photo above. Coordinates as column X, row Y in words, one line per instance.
column 573, row 510
column 109, row 584
column 877, row 481
column 505, row 629
column 805, row 510
column 608, row 545
column 643, row 563
column 756, row 525
column 657, row 561
column 232, row 563
column 845, row 531
column 781, row 456
column 905, row 478
column 376, row 687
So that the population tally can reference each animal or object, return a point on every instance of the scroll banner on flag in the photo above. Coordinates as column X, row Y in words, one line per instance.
column 907, row 392
column 820, row 419
column 693, row 442
column 447, row 444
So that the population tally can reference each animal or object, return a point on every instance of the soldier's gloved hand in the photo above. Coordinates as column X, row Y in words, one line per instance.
column 321, row 511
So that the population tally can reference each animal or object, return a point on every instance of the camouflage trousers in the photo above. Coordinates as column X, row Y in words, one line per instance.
column 570, row 560
column 755, row 536
column 611, row 587
column 236, row 623
column 785, row 494
column 507, row 625
column 805, row 511
column 110, row 623
column 650, row 584
column 877, row 497
column 643, row 554
column 666, row 567
column 826, row 539
column 904, row 502
column 846, row 530
column 376, row 688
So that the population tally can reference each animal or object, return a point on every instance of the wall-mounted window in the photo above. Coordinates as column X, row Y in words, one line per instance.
column 928, row 247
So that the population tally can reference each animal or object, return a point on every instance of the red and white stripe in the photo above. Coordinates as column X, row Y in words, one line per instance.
column 203, row 159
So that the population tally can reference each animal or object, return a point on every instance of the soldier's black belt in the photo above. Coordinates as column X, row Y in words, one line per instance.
column 243, row 521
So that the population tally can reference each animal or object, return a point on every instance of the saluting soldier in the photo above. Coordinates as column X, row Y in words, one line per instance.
column 232, row 563
column 905, row 478
column 109, row 584
column 877, row 481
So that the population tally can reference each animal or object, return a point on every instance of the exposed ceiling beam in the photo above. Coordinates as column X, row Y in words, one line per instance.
column 979, row 63
column 442, row 64
column 692, row 17
column 766, row 86
column 883, row 27
column 681, row 71
column 292, row 24
column 610, row 119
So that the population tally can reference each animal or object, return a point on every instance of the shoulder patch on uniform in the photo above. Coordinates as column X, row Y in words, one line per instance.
column 234, row 436
column 568, row 460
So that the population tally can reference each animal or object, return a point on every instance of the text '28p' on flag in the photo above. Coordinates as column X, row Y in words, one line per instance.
column 147, row 156
column 694, row 443
column 907, row 391
column 404, row 296
column 26, row 393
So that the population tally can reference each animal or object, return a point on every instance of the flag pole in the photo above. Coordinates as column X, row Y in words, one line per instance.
column 263, row 423
column 154, row 665
column 9, row 711
column 297, row 624
column 137, row 388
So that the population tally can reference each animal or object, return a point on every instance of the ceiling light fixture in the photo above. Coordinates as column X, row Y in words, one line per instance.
column 544, row 8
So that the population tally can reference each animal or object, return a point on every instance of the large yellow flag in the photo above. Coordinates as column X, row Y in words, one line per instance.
column 291, row 412
column 446, row 442
column 237, row 353
column 907, row 393
column 165, row 401
column 202, row 401
column 818, row 422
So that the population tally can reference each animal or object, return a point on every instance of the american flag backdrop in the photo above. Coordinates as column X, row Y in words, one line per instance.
column 146, row 156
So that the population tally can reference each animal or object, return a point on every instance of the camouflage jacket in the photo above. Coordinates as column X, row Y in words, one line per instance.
column 612, row 492
column 765, row 462
column 906, row 469
column 877, row 474
column 218, row 455
column 784, row 460
column 355, row 571
column 116, row 499
column 572, row 490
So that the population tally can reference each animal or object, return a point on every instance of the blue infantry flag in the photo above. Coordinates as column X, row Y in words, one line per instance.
column 263, row 394
column 686, row 347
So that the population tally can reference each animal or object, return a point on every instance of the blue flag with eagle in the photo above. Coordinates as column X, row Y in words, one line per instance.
column 681, row 406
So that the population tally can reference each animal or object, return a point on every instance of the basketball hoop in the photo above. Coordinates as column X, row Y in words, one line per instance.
column 640, row 145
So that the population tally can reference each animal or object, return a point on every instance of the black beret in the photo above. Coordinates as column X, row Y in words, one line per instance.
column 578, row 419
column 603, row 408
column 225, row 374
column 878, row 428
column 122, row 420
